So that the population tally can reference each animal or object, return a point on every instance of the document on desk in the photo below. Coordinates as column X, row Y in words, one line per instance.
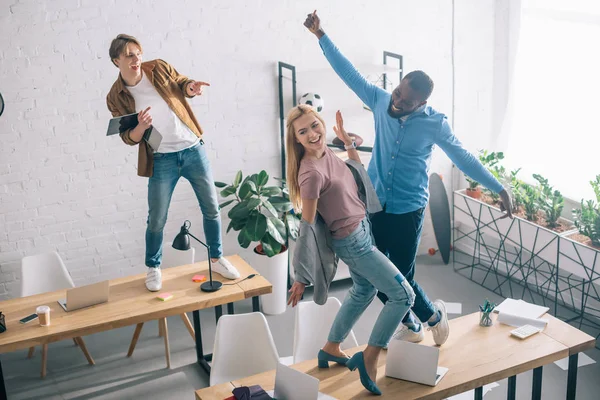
column 518, row 321
column 521, row 308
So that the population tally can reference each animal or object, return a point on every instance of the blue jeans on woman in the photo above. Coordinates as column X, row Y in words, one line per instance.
column 192, row 164
column 371, row 271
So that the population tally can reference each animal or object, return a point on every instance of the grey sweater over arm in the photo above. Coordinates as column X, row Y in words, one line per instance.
column 314, row 260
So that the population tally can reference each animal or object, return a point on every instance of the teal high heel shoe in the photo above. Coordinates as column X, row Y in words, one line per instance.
column 324, row 358
column 358, row 361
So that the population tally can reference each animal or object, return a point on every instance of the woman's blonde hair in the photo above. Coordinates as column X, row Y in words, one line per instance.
column 295, row 152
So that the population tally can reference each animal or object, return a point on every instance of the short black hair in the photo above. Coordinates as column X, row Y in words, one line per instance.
column 420, row 82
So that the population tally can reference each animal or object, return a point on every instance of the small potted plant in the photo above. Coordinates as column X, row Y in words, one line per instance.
column 263, row 215
column 473, row 190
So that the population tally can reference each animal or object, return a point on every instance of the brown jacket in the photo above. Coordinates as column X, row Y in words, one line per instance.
column 171, row 86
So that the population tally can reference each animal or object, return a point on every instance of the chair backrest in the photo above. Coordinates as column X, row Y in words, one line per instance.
column 244, row 346
column 174, row 258
column 42, row 273
column 313, row 323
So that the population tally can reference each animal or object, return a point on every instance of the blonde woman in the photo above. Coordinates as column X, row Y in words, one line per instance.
column 320, row 182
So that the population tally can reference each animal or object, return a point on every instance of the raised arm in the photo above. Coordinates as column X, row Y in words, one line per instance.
column 345, row 138
column 365, row 90
column 470, row 165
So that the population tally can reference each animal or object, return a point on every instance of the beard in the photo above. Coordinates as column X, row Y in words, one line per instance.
column 395, row 113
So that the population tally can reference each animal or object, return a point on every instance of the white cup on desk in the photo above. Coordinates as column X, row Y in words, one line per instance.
column 43, row 313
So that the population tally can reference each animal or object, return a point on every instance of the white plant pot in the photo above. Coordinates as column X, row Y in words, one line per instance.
column 275, row 270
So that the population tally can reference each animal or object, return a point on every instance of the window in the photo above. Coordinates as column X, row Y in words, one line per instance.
column 554, row 127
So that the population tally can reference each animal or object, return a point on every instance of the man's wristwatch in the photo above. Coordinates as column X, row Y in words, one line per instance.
column 350, row 146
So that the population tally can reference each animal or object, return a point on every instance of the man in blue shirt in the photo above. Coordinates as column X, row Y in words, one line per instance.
column 406, row 131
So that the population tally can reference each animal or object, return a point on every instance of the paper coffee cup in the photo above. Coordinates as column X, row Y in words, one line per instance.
column 43, row 313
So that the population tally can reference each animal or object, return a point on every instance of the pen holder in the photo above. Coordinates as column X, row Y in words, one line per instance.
column 485, row 319
column 2, row 323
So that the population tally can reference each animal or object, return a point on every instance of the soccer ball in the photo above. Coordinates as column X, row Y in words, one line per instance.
column 312, row 99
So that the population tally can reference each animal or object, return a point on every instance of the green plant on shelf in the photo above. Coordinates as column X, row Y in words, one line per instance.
column 261, row 213
column 473, row 184
column 551, row 201
column 530, row 197
column 515, row 184
column 491, row 160
column 587, row 218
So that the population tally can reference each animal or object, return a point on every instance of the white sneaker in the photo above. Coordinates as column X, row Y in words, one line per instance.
column 154, row 279
column 441, row 330
column 408, row 335
column 225, row 268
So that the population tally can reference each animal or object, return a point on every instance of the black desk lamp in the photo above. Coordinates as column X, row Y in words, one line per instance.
column 182, row 242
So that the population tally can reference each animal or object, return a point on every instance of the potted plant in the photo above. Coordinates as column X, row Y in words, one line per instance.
column 262, row 214
column 473, row 190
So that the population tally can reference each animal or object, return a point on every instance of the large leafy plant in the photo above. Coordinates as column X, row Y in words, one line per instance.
column 551, row 201
column 587, row 219
column 261, row 213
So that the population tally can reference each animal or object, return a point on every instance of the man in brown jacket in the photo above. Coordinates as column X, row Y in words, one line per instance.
column 157, row 92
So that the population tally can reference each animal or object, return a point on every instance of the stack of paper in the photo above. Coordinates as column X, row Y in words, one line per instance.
column 521, row 308
column 518, row 313
column 518, row 321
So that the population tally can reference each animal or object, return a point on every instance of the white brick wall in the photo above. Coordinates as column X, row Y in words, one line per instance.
column 64, row 186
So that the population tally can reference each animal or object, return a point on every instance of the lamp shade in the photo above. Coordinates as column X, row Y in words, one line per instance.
column 182, row 240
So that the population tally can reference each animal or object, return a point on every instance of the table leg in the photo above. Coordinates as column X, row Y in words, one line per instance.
column 218, row 312
column 479, row 393
column 572, row 376
column 512, row 387
column 536, row 392
column 199, row 351
column 230, row 310
column 255, row 304
column 3, row 395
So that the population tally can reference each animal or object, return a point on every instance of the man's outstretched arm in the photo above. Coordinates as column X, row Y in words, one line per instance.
column 470, row 165
column 364, row 89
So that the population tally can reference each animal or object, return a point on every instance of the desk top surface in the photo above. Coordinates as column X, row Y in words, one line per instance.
column 129, row 303
column 474, row 355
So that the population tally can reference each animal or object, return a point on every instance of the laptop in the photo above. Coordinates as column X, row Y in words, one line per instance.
column 85, row 296
column 120, row 124
column 291, row 384
column 414, row 362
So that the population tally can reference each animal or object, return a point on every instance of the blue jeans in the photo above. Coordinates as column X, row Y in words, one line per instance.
column 370, row 271
column 398, row 236
column 193, row 165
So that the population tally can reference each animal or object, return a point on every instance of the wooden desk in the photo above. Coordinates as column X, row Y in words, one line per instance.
column 474, row 355
column 129, row 303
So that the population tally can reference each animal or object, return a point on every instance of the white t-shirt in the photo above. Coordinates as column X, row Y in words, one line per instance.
column 176, row 136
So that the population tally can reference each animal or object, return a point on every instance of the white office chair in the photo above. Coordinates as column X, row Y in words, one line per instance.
column 243, row 346
column 312, row 328
column 170, row 258
column 43, row 273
